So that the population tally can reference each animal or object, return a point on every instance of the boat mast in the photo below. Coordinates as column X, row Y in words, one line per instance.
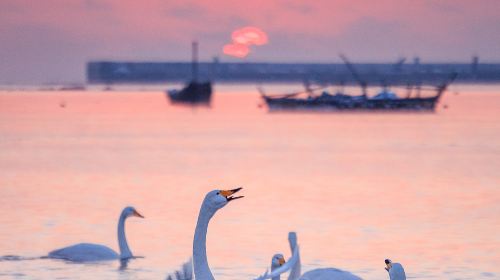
column 194, row 62
column 355, row 75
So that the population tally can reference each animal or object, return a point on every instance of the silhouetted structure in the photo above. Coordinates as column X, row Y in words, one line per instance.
column 373, row 73
column 384, row 100
column 194, row 92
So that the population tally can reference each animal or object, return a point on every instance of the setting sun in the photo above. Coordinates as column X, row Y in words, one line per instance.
column 250, row 36
column 243, row 39
column 236, row 50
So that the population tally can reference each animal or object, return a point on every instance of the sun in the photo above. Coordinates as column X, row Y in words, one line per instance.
column 242, row 39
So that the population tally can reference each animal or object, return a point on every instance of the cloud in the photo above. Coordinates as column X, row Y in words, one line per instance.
column 73, row 32
column 186, row 11
column 249, row 36
column 98, row 5
column 243, row 39
column 236, row 50
column 36, row 53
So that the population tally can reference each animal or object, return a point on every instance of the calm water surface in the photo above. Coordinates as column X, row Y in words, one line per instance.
column 421, row 189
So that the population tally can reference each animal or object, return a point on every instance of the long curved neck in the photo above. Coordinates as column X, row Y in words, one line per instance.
column 122, row 240
column 200, row 262
column 295, row 271
column 275, row 277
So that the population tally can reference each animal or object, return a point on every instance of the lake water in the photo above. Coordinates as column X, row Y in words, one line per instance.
column 421, row 189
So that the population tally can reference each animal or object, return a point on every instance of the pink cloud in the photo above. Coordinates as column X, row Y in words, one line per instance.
column 242, row 39
column 236, row 50
column 250, row 36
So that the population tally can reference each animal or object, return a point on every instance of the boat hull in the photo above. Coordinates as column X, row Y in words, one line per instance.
column 193, row 93
column 315, row 104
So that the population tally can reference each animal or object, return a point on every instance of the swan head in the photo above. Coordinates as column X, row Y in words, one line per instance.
column 388, row 264
column 277, row 261
column 217, row 199
column 131, row 212
column 396, row 270
column 292, row 238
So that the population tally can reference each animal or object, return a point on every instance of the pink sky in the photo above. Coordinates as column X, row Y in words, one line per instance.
column 50, row 40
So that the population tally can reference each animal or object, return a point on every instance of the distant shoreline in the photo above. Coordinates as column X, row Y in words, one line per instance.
column 374, row 74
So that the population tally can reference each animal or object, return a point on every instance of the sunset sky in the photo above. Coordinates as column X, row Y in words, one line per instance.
column 50, row 40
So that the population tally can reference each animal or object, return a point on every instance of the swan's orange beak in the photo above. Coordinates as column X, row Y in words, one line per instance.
column 228, row 194
column 282, row 261
column 137, row 214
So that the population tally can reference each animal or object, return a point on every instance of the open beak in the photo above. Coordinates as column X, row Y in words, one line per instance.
column 228, row 194
column 282, row 261
column 137, row 214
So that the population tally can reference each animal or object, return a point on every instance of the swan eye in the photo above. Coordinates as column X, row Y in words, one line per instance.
column 218, row 193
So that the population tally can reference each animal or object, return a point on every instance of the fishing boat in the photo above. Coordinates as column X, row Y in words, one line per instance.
column 384, row 100
column 194, row 92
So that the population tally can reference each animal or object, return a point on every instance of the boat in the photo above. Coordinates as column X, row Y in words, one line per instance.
column 194, row 92
column 384, row 100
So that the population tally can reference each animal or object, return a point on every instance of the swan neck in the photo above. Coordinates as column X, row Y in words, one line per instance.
column 200, row 261
column 278, row 277
column 295, row 271
column 122, row 240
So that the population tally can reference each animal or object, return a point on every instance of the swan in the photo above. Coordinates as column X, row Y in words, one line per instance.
column 276, row 262
column 396, row 271
column 293, row 264
column 316, row 274
column 278, row 266
column 213, row 201
column 292, row 241
column 85, row 252
column 186, row 272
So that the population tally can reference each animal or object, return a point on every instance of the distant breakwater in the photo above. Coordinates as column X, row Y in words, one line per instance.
column 374, row 74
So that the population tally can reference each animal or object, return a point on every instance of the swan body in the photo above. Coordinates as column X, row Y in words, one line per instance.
column 85, row 252
column 213, row 201
column 328, row 274
column 88, row 252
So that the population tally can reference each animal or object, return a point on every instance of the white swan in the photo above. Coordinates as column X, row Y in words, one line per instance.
column 292, row 265
column 316, row 274
column 278, row 266
column 276, row 262
column 213, row 201
column 396, row 271
column 295, row 271
column 86, row 252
